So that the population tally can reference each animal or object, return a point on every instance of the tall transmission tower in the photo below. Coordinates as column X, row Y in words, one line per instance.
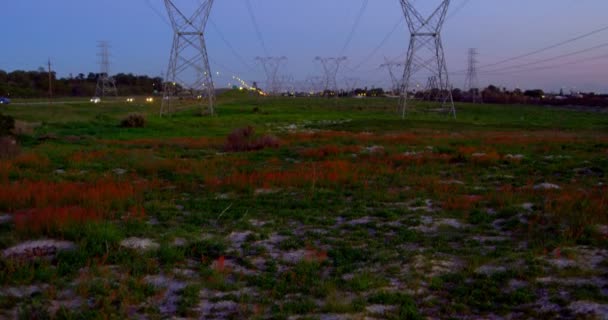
column 425, row 52
column 271, row 67
column 391, row 67
column 351, row 85
column 105, row 84
column 331, row 66
column 189, row 71
column 315, row 85
column 471, row 83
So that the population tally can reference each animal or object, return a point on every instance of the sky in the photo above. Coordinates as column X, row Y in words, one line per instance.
column 67, row 32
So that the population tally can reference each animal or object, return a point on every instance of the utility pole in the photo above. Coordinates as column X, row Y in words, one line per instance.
column 425, row 53
column 331, row 66
column 105, row 84
column 189, row 63
column 471, row 84
column 271, row 67
column 50, row 82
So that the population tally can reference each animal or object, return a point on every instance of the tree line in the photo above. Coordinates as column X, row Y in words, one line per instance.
column 35, row 84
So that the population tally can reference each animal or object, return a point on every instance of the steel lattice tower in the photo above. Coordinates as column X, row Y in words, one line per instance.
column 331, row 66
column 471, row 83
column 271, row 67
column 105, row 84
column 188, row 54
column 425, row 52
column 395, row 79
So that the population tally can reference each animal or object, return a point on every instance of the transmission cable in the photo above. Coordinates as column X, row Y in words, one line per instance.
column 559, row 44
column 354, row 27
column 256, row 27
column 550, row 59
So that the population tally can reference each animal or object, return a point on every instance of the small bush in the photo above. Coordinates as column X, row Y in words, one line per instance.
column 9, row 148
column 243, row 139
column 133, row 120
column 7, row 125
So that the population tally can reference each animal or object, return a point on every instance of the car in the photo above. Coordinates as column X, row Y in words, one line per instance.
column 149, row 100
column 5, row 100
column 130, row 100
column 96, row 100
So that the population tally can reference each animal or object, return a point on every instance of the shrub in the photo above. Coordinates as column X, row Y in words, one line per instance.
column 243, row 139
column 7, row 125
column 9, row 148
column 133, row 120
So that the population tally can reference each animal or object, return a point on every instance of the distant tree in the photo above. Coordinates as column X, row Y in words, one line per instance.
column 536, row 93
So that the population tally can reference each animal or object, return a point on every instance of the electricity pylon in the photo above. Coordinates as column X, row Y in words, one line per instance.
column 105, row 84
column 331, row 66
column 395, row 79
column 271, row 67
column 189, row 68
column 471, row 84
column 425, row 52
column 351, row 85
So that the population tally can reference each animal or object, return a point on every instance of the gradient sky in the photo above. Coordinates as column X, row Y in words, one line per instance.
column 67, row 31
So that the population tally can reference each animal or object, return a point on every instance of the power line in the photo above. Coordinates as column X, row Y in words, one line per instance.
column 574, row 62
column 553, row 46
column 256, row 27
column 519, row 66
column 455, row 11
column 158, row 13
column 232, row 50
column 354, row 27
column 380, row 45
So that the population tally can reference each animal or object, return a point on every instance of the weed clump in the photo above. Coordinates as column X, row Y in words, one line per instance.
column 9, row 148
column 7, row 125
column 244, row 139
column 133, row 120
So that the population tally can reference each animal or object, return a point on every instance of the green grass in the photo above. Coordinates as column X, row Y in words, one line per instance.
column 335, row 226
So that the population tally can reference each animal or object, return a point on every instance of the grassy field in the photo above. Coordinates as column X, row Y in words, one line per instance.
column 357, row 214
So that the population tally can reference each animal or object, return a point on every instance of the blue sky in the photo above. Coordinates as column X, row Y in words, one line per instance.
column 67, row 31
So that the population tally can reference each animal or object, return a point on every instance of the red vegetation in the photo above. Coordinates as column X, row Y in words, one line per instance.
column 461, row 203
column 44, row 206
column 303, row 174
column 243, row 139
column 328, row 151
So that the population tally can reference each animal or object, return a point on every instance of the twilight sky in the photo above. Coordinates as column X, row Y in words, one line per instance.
column 67, row 31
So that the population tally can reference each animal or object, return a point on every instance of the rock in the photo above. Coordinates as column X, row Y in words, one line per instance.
column 179, row 242
column 489, row 269
column 295, row 256
column 59, row 171
column 169, row 298
column 528, row 206
column 262, row 191
column 5, row 218
column 139, row 244
column 478, row 155
column 23, row 291
column 588, row 308
column 238, row 238
column 374, row 149
column 546, row 186
column 380, row 309
column 514, row 156
column 37, row 249
column 360, row 221
column 119, row 171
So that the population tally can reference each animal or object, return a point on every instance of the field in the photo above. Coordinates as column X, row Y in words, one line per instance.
column 355, row 214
